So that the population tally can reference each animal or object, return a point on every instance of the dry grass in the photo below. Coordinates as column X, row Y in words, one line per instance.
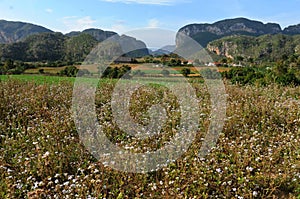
column 49, row 70
column 257, row 156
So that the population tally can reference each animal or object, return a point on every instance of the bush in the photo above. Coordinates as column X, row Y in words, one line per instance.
column 254, row 75
column 186, row 71
column 117, row 72
column 70, row 71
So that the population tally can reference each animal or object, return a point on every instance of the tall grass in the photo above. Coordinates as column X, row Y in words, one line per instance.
column 41, row 156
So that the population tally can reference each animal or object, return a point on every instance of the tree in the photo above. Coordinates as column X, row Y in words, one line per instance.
column 70, row 71
column 186, row 71
column 124, row 72
column 185, row 62
column 117, row 72
column 107, row 71
column 174, row 62
column 8, row 64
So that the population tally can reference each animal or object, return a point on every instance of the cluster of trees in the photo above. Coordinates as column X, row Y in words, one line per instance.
column 13, row 67
column 70, row 71
column 167, row 60
column 55, row 47
column 73, row 71
column 117, row 72
column 281, row 73
column 10, row 66
column 185, row 72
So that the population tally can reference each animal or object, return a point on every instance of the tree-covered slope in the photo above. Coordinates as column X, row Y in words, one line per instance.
column 265, row 47
column 205, row 33
column 11, row 32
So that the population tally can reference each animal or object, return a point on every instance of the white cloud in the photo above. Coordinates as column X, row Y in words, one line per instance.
column 49, row 10
column 74, row 23
column 151, row 2
column 85, row 21
column 122, row 27
column 119, row 28
column 153, row 23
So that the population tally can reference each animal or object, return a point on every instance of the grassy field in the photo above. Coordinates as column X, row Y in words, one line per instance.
column 41, row 155
column 39, row 79
column 49, row 70
column 146, row 68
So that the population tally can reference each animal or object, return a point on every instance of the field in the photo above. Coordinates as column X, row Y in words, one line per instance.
column 41, row 155
column 49, row 70
column 150, row 69
column 38, row 79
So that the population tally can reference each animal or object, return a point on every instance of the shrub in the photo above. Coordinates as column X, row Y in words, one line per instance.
column 69, row 71
column 117, row 72
column 185, row 72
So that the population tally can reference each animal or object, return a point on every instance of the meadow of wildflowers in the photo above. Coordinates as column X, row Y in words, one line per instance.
column 257, row 154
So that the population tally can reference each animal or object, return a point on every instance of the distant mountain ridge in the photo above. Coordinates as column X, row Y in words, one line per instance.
column 98, row 34
column 11, row 31
column 51, row 47
column 28, row 42
column 205, row 33
column 292, row 30
column 126, row 41
column 229, row 37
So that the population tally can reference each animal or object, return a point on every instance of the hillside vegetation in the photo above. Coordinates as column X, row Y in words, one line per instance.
column 264, row 48
column 11, row 31
column 51, row 47
column 205, row 33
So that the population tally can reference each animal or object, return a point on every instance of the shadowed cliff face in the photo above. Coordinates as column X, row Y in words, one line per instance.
column 205, row 33
column 292, row 30
column 265, row 47
column 245, row 38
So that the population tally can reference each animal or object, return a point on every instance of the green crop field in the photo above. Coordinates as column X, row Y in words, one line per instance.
column 39, row 79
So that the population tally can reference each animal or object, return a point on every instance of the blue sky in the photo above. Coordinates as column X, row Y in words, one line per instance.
column 125, row 15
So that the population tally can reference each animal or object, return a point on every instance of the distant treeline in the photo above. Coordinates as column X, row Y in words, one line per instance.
column 283, row 72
